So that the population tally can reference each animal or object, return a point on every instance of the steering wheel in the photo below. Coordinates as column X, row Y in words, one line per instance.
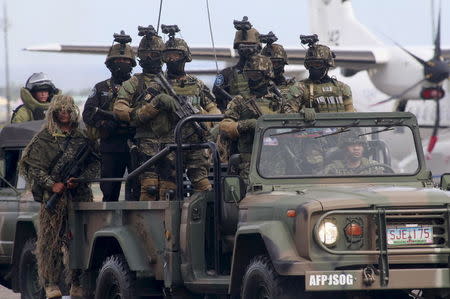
column 387, row 168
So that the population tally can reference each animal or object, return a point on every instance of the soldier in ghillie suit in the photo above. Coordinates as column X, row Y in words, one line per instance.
column 36, row 97
column 279, row 59
column 354, row 162
column 232, row 79
column 113, row 135
column 319, row 91
column 44, row 158
column 243, row 111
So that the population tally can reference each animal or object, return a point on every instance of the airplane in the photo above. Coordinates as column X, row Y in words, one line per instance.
column 398, row 72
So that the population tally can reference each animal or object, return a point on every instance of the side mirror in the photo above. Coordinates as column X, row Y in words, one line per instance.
column 445, row 181
column 233, row 189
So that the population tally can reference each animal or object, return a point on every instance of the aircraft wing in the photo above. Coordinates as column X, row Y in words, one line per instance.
column 350, row 58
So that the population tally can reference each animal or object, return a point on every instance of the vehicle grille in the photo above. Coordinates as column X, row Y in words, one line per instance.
column 436, row 220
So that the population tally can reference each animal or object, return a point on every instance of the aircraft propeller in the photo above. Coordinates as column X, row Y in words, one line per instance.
column 436, row 71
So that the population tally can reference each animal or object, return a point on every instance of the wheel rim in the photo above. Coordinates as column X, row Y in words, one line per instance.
column 32, row 281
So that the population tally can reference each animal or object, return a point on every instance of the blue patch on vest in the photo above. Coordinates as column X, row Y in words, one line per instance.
column 219, row 80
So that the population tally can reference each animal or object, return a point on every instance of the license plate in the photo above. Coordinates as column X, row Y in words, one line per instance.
column 409, row 235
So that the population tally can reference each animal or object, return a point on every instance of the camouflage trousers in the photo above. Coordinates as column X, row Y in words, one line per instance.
column 52, row 246
column 244, row 167
column 163, row 171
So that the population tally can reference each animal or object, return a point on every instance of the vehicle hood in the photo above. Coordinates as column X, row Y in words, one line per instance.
column 350, row 197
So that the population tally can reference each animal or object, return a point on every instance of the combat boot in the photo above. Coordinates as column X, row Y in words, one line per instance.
column 76, row 292
column 149, row 189
column 165, row 187
column 202, row 185
column 53, row 291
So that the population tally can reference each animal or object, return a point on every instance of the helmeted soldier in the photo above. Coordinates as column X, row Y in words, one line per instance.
column 44, row 159
column 320, row 91
column 353, row 148
column 36, row 97
column 113, row 134
column 135, row 94
column 279, row 59
column 232, row 79
column 243, row 111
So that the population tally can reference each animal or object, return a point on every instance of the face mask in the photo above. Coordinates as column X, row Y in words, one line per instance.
column 317, row 74
column 150, row 66
column 176, row 68
column 120, row 70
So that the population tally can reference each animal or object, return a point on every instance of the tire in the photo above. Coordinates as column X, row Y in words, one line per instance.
column 261, row 281
column 115, row 280
column 28, row 275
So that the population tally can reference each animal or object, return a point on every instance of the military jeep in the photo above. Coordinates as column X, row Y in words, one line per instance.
column 317, row 218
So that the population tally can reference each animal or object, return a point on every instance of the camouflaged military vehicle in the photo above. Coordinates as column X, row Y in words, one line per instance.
column 318, row 218
column 18, row 214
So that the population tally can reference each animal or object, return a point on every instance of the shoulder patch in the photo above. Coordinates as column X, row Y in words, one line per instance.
column 219, row 80
column 93, row 92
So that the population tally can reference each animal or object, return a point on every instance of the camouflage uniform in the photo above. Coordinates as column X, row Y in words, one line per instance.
column 324, row 94
column 41, row 164
column 32, row 109
column 242, row 113
column 278, row 56
column 339, row 167
column 232, row 79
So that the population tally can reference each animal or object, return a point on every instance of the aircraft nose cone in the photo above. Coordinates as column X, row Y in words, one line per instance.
column 437, row 71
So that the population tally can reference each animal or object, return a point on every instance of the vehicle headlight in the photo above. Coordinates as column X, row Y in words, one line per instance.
column 328, row 233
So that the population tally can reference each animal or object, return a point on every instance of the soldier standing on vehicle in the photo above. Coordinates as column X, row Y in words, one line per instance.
column 114, row 135
column 279, row 59
column 232, row 79
column 135, row 93
column 36, row 97
column 45, row 158
column 320, row 91
column 243, row 111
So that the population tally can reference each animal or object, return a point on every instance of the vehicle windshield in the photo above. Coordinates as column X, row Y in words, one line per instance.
column 337, row 151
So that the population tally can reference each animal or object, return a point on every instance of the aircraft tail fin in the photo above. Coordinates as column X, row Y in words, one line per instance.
column 335, row 23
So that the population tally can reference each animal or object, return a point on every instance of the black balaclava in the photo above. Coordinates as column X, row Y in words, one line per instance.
column 259, row 87
column 176, row 68
column 120, row 71
column 151, row 66
column 318, row 74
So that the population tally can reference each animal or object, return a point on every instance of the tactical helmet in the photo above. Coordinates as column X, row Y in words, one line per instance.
column 250, row 36
column 261, row 63
column 150, row 43
column 40, row 81
column 121, row 51
column 180, row 45
column 275, row 51
column 353, row 138
column 320, row 52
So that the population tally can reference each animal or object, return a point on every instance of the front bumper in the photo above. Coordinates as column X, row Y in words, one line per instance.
column 356, row 280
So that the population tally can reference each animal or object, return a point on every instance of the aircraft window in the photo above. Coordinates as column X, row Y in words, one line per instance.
column 337, row 151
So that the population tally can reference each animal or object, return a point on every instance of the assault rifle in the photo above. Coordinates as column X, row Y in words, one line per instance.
column 70, row 169
column 185, row 108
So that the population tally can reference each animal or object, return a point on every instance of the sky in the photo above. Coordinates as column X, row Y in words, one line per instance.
column 93, row 22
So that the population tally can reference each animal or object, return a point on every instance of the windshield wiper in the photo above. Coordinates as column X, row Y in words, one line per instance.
column 390, row 128
column 288, row 132
column 340, row 130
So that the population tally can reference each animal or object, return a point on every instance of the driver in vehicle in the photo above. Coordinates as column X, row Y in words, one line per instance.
column 354, row 161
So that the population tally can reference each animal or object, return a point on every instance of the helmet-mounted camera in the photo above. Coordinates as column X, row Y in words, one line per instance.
column 310, row 40
column 122, row 39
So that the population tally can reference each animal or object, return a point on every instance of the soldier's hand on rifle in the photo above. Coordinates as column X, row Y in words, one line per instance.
column 165, row 102
column 71, row 184
column 247, row 125
column 58, row 188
